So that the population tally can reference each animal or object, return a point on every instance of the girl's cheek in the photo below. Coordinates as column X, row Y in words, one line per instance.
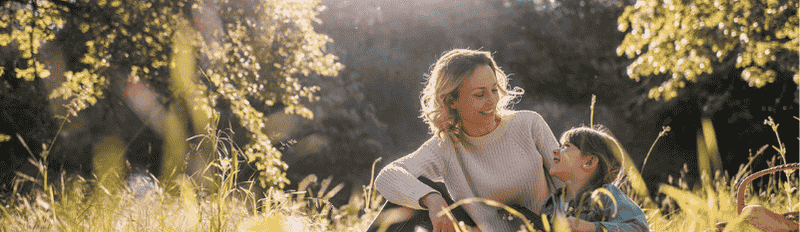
column 555, row 168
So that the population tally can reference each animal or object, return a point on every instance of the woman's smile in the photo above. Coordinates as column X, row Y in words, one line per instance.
column 477, row 101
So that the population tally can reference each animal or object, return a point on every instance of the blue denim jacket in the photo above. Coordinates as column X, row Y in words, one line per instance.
column 628, row 215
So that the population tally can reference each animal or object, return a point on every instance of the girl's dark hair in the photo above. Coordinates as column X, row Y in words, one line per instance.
column 597, row 141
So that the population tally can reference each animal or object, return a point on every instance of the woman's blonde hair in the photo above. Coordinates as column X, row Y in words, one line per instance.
column 446, row 78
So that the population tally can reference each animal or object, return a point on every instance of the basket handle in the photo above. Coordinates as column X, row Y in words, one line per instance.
column 743, row 185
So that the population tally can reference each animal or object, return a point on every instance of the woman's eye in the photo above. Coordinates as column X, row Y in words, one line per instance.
column 494, row 90
column 479, row 94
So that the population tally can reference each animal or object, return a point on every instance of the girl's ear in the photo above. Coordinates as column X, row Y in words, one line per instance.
column 590, row 162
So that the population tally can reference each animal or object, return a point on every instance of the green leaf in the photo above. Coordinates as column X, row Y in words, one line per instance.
column 711, row 30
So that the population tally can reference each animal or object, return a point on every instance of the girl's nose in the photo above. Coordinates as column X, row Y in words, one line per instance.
column 555, row 151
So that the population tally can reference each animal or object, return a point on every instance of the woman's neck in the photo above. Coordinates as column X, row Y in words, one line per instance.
column 480, row 129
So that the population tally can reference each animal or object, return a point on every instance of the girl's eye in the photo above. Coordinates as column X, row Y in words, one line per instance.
column 494, row 90
column 479, row 94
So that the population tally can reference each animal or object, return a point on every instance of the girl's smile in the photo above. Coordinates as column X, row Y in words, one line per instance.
column 568, row 163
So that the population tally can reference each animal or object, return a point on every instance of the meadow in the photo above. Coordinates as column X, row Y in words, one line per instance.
column 140, row 202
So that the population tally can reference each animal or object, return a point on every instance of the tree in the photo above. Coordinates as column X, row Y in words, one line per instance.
column 249, row 53
column 565, row 49
column 688, row 40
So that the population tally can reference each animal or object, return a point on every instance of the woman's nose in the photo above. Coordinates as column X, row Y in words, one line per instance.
column 555, row 151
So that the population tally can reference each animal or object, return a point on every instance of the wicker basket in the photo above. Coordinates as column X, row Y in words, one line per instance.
column 740, row 204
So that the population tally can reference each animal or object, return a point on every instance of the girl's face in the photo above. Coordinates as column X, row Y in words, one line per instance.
column 477, row 99
column 569, row 164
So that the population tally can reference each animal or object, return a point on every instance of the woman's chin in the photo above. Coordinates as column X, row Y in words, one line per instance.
column 488, row 119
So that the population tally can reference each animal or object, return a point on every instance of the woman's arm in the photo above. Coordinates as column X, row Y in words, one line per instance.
column 545, row 143
column 398, row 183
column 545, row 140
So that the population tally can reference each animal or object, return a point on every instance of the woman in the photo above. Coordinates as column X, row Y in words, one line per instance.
column 479, row 148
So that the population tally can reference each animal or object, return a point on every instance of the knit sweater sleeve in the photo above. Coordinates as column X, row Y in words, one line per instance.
column 398, row 183
column 545, row 143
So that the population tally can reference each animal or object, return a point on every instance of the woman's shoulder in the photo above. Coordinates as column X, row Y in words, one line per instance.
column 436, row 143
column 524, row 117
column 524, row 114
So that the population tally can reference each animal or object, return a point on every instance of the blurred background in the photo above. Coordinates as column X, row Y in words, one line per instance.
column 561, row 52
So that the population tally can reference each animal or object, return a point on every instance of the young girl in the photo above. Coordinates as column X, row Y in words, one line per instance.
column 589, row 161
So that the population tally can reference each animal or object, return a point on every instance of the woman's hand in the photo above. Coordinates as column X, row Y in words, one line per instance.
column 576, row 224
column 435, row 203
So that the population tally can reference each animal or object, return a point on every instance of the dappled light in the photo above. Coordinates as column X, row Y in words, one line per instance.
column 683, row 40
column 278, row 115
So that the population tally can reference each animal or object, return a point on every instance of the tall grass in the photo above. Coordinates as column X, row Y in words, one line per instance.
column 74, row 203
column 700, row 208
column 108, row 202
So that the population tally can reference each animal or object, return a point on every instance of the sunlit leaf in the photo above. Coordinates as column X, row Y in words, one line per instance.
column 704, row 36
column 256, row 50
column 4, row 137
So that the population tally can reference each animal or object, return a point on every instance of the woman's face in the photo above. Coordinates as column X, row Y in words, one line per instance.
column 477, row 99
column 568, row 162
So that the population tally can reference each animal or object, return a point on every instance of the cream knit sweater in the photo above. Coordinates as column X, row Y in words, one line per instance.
column 504, row 165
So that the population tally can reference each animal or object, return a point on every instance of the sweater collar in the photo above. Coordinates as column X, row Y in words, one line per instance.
column 496, row 134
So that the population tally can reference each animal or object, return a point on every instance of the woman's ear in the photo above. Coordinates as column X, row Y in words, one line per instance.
column 448, row 100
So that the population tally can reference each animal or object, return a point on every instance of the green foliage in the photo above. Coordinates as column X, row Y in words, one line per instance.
column 256, row 52
column 142, row 204
column 29, row 26
column 120, row 35
column 687, row 40
column 71, row 205
column 75, row 204
column 263, row 47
